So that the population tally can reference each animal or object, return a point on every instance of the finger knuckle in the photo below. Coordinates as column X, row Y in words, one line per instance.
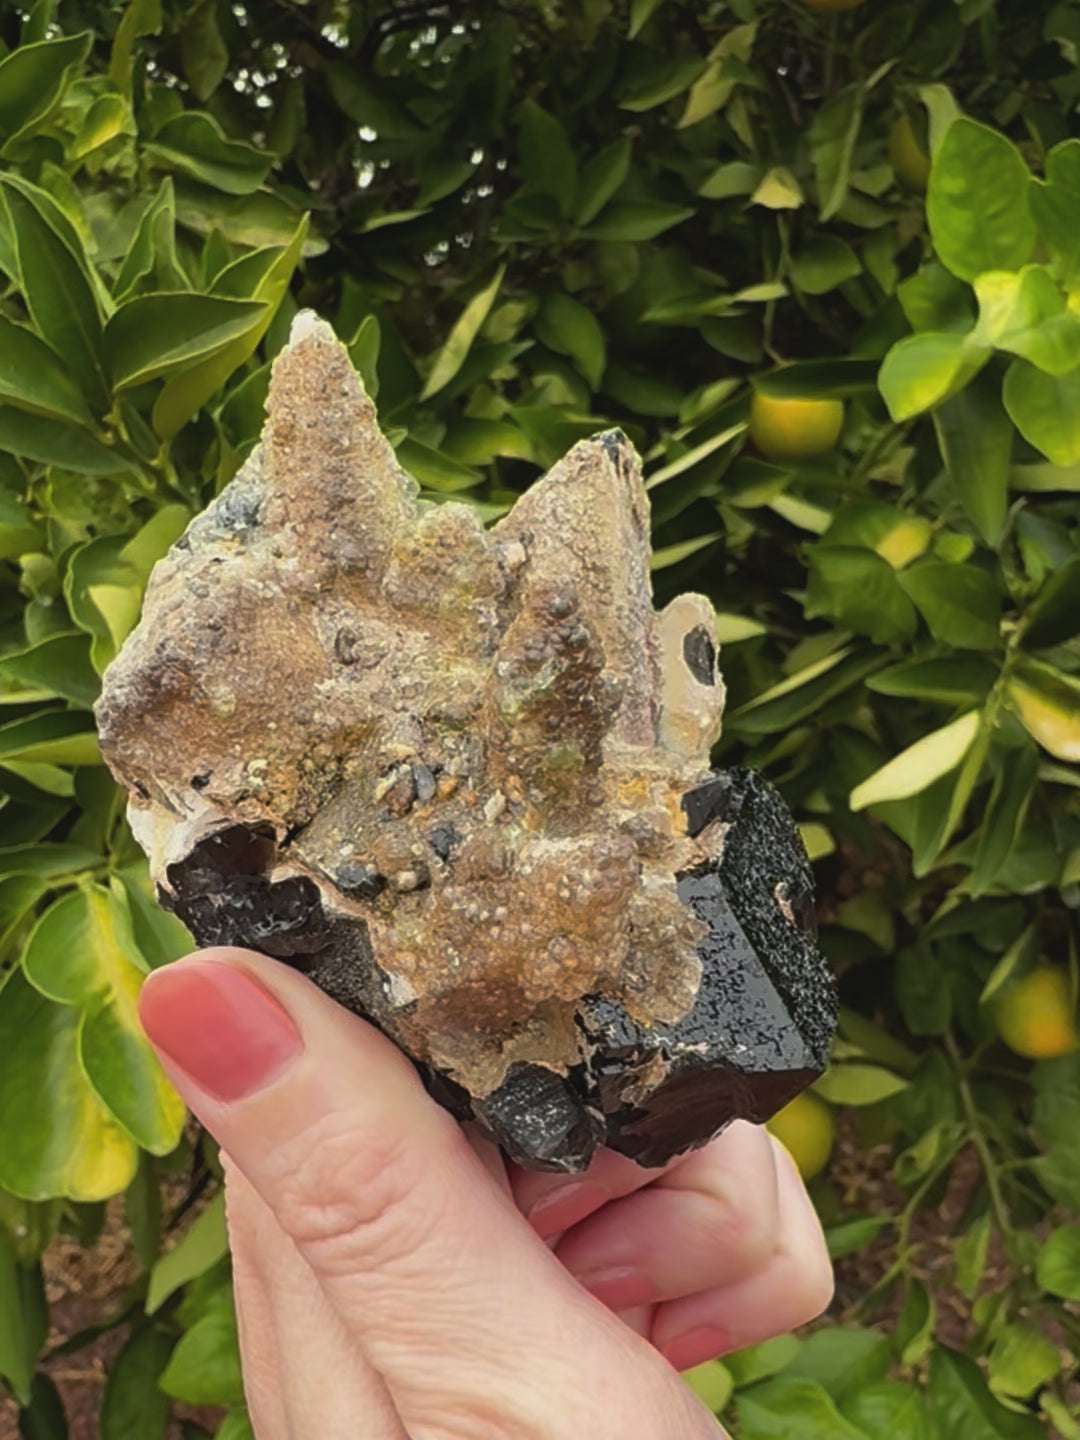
column 353, row 1200
column 815, row 1285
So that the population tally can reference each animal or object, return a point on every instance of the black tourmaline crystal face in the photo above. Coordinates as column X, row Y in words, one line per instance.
column 460, row 778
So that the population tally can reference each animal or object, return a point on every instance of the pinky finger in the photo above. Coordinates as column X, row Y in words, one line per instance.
column 793, row 1287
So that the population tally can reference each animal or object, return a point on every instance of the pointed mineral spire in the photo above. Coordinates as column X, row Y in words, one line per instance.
column 586, row 525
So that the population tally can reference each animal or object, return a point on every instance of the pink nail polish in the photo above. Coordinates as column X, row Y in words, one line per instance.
column 707, row 1342
column 620, row 1288
column 559, row 1209
column 218, row 1025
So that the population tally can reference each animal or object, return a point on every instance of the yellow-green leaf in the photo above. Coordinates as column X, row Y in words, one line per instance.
column 917, row 767
column 82, row 952
column 59, row 1139
column 1048, row 702
column 451, row 357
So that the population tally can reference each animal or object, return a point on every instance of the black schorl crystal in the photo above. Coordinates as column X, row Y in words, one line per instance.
column 757, row 1034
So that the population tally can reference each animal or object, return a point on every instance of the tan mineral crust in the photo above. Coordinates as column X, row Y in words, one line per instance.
column 471, row 746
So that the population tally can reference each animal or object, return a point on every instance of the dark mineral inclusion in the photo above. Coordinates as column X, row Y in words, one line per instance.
column 460, row 778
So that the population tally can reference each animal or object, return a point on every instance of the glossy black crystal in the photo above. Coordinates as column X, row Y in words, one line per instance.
column 757, row 1034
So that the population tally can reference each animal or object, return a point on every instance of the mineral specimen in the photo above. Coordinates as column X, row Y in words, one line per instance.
column 461, row 779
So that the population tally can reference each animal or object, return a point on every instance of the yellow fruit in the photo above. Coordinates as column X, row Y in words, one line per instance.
column 833, row 4
column 794, row 429
column 1035, row 1016
column 910, row 163
column 805, row 1129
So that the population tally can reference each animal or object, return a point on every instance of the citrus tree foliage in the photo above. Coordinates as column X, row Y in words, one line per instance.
column 531, row 219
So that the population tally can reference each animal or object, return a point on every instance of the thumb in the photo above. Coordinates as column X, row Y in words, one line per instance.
column 418, row 1249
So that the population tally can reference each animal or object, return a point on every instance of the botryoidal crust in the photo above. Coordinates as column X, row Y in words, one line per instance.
column 460, row 777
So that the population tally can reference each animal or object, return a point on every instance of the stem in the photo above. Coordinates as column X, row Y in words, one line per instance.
column 978, row 1137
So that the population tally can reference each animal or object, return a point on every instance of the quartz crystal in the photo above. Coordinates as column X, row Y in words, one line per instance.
column 460, row 777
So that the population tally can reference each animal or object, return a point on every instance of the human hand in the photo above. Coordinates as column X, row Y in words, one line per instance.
column 392, row 1276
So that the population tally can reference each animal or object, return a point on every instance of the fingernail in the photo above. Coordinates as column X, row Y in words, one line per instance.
column 620, row 1288
column 559, row 1209
column 697, row 1346
column 218, row 1025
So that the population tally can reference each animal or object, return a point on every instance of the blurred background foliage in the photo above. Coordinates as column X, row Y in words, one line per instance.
column 824, row 269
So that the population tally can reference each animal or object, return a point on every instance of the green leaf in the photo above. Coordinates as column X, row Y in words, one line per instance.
column 1054, row 615
column 32, row 378
column 133, row 1404
column 932, row 299
column 548, row 163
column 152, row 335
column 235, row 1426
column 566, row 326
column 204, row 53
column 669, row 555
column 200, row 1248
column 786, row 1406
column 915, row 1324
column 1022, row 1361
column 859, row 590
column 922, row 991
column 1055, row 204
column 963, row 1405
column 60, row 665
column 833, row 134
column 1057, row 1268
column 1048, row 703
column 960, row 603
column 600, row 178
column 104, row 121
column 725, row 66
column 642, row 394
column 843, row 1359
column 195, row 144
column 1027, row 314
column 819, row 380
column 159, row 936
column 666, row 79
column 451, row 356
column 635, row 220
column 803, row 694
column 32, row 80
column 851, row 1236
column 735, row 177
column 37, row 437
column 186, row 393
column 58, row 1137
column 54, row 737
column 46, row 861
column 82, row 952
column 854, row 1084
column 23, row 1319
column 204, row 1369
column 889, row 1410
column 1004, row 818
column 970, row 1252
column 975, row 437
column 977, row 205
column 778, row 189
column 55, row 281
column 823, row 265
column 919, row 765
column 142, row 17
column 1046, row 410
column 44, row 1417
column 433, row 469
column 711, row 1383
column 151, row 256
column 955, row 680
column 641, row 11
column 923, row 371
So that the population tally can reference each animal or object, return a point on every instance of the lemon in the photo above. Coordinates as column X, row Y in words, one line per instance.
column 805, row 1129
column 794, row 429
column 1035, row 1016
column 910, row 163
